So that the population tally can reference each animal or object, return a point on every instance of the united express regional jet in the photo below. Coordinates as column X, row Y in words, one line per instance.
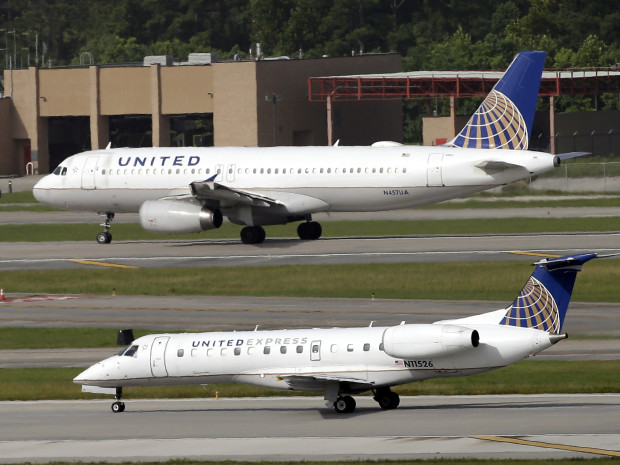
column 191, row 189
column 343, row 361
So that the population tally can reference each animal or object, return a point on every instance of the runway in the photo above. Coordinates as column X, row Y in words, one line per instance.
column 344, row 250
column 302, row 428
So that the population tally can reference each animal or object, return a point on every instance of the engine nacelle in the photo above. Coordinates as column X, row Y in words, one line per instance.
column 177, row 217
column 414, row 341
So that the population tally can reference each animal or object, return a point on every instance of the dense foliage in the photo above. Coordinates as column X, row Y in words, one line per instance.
column 428, row 34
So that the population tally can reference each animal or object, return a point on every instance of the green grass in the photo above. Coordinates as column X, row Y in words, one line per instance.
column 461, row 281
column 132, row 232
column 527, row 377
column 17, row 197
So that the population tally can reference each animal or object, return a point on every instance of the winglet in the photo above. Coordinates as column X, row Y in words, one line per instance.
column 543, row 301
column 504, row 119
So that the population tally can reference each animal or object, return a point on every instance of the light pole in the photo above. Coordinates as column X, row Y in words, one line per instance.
column 27, row 34
column 6, row 47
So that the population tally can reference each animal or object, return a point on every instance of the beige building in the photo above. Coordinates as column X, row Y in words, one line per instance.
column 252, row 103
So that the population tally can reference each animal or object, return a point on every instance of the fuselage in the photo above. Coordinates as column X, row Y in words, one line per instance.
column 326, row 178
column 311, row 359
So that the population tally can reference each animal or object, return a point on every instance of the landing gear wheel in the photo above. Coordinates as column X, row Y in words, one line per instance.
column 309, row 231
column 252, row 235
column 104, row 238
column 387, row 400
column 118, row 407
column 345, row 404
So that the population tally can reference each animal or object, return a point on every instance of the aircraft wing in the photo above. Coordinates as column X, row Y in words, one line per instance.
column 320, row 381
column 210, row 190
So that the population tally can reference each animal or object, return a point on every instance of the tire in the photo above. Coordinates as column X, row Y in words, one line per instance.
column 118, row 407
column 102, row 238
column 345, row 404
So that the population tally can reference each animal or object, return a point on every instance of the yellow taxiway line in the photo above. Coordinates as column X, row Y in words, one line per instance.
column 547, row 445
column 534, row 254
column 95, row 263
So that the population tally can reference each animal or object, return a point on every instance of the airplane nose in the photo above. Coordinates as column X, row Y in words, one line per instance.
column 92, row 373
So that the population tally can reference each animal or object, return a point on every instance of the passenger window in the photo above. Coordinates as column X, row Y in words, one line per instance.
column 210, row 352
column 267, row 350
column 404, row 170
column 300, row 349
column 237, row 350
column 366, row 347
column 224, row 351
column 334, row 348
column 315, row 349
column 194, row 352
column 282, row 349
column 103, row 171
column 350, row 348
column 381, row 347
column 251, row 350
column 180, row 353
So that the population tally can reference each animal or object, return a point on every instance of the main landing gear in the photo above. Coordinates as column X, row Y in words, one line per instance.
column 385, row 397
column 309, row 231
column 252, row 235
column 118, row 406
column 105, row 237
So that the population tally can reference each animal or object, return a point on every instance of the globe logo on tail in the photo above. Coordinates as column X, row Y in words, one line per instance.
column 534, row 308
column 497, row 124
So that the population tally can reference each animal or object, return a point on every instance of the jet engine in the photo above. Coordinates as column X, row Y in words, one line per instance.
column 414, row 341
column 178, row 217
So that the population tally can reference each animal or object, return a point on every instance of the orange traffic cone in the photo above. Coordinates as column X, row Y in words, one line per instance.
column 2, row 294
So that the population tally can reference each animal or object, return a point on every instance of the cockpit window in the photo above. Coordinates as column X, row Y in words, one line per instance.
column 130, row 352
column 57, row 170
column 64, row 171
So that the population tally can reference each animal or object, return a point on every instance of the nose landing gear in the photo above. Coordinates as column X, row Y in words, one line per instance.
column 118, row 406
column 105, row 237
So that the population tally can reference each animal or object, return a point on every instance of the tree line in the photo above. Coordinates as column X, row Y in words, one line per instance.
column 428, row 34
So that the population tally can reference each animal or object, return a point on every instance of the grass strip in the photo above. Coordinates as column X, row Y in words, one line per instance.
column 527, row 377
column 132, row 232
column 499, row 281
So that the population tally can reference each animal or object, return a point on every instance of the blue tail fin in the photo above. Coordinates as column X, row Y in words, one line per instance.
column 504, row 119
column 543, row 301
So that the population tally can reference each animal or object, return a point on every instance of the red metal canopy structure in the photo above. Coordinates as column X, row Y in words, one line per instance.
column 425, row 84
column 455, row 84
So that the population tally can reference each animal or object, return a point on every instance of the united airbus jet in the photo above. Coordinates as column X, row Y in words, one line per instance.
column 339, row 362
column 191, row 189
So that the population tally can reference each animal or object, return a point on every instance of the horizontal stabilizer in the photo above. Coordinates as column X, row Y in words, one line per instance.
column 492, row 167
column 569, row 155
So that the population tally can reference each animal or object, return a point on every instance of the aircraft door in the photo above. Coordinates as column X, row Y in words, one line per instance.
column 219, row 169
column 158, row 356
column 433, row 170
column 230, row 173
column 88, row 173
column 315, row 351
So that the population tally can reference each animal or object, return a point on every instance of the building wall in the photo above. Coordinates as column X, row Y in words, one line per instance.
column 299, row 121
column 8, row 164
column 234, row 92
column 234, row 102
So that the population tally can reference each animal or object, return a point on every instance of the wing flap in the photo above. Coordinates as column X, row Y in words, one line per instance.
column 210, row 190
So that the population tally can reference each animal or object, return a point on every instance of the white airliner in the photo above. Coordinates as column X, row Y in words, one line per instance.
column 191, row 189
column 342, row 361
